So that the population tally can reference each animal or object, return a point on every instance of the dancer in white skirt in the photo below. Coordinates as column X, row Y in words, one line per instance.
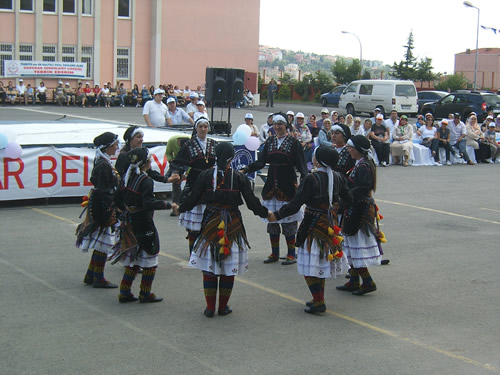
column 195, row 156
column 98, row 230
column 285, row 156
column 140, row 243
column 361, row 234
column 318, row 241
column 220, row 250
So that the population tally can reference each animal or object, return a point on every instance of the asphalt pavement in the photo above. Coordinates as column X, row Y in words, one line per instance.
column 435, row 310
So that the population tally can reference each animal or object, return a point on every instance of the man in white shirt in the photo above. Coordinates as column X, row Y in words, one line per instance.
column 457, row 137
column 21, row 89
column 178, row 115
column 200, row 106
column 155, row 112
column 392, row 122
column 191, row 107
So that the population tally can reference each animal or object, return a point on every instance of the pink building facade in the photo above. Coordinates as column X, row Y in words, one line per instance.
column 488, row 67
column 148, row 42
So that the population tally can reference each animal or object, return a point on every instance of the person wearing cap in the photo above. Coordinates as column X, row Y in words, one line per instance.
column 443, row 136
column 251, row 125
column 155, row 112
column 266, row 130
column 340, row 135
column 402, row 144
column 285, row 157
column 303, row 134
column 70, row 94
column 221, row 249
column 324, row 115
column 105, row 95
column 475, row 139
column 136, row 198
column 325, row 135
column 429, row 136
column 420, row 122
column 200, row 111
column 379, row 137
column 191, row 107
column 21, row 91
column 97, row 232
column 178, row 115
column 196, row 155
column 318, row 242
column 60, row 97
column 490, row 139
column 290, row 115
column 377, row 111
column 271, row 90
column 41, row 91
column 458, row 132
column 359, row 221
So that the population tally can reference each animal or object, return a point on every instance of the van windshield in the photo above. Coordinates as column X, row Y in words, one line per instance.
column 405, row 90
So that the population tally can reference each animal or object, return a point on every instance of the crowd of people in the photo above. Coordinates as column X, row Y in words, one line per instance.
column 119, row 223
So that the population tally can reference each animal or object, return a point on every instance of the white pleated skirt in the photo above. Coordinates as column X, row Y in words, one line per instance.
column 310, row 263
column 191, row 220
column 235, row 264
column 143, row 260
column 274, row 205
column 361, row 250
column 102, row 242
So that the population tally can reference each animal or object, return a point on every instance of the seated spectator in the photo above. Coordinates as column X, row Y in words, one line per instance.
column 430, row 138
column 379, row 136
column 335, row 117
column 392, row 122
column 191, row 108
column 311, row 124
column 367, row 127
column 178, row 115
column 291, row 117
column 303, row 135
column 497, row 123
column 444, row 135
column 135, row 96
column 475, row 138
column 356, row 128
column 324, row 115
column 247, row 100
column 402, row 141
column 69, row 93
column 420, row 122
column 146, row 95
column 349, row 121
column 490, row 138
column 89, row 94
column 341, row 120
column 201, row 112
column 266, row 130
column 60, row 98
column 250, row 124
column 96, row 90
column 81, row 97
column 105, row 95
column 29, row 94
column 121, row 93
column 376, row 112
column 324, row 135
column 21, row 91
column 41, row 90
column 457, row 138
column 3, row 93
column 186, row 92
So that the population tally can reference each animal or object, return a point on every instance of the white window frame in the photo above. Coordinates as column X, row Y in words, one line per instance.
column 121, row 56
column 87, row 56
column 4, row 52
column 68, row 56
column 11, row 9
column 75, row 4
column 49, row 11
column 26, row 52
column 118, row 10
column 50, row 55
column 32, row 10
column 90, row 3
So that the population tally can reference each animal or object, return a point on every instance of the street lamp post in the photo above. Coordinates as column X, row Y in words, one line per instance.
column 360, row 51
column 469, row 5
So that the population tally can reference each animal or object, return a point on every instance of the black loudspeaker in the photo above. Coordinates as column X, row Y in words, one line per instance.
column 216, row 84
column 235, row 84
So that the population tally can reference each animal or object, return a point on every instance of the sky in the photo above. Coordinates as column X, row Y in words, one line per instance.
column 441, row 28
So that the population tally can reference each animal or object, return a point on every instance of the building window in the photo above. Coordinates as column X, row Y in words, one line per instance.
column 124, row 8
column 49, row 53
column 26, row 52
column 6, row 53
column 7, row 5
column 26, row 5
column 88, row 57
column 49, row 6
column 87, row 7
column 122, row 63
column 69, row 6
column 68, row 53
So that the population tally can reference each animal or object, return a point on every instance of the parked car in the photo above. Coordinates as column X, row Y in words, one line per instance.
column 429, row 96
column 384, row 94
column 464, row 102
column 332, row 97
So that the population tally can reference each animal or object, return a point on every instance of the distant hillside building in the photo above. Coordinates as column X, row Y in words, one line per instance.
column 488, row 66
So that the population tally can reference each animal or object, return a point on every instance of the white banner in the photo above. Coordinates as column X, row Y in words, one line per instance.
column 44, row 172
column 56, row 69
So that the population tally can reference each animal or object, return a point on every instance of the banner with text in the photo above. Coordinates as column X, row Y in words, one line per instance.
column 56, row 69
column 44, row 172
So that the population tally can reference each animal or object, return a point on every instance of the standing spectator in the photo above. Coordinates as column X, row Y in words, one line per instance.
column 250, row 124
column 475, row 139
column 490, row 139
column 324, row 115
column 122, row 94
column 340, row 136
column 403, row 141
column 174, row 145
column 42, row 93
column 191, row 107
column 60, row 95
column 21, row 91
column 457, row 139
column 30, row 93
column 271, row 89
column 178, row 115
column 155, row 112
column 444, row 135
column 69, row 93
column 379, row 136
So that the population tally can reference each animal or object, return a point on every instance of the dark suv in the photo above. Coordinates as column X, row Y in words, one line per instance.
column 464, row 102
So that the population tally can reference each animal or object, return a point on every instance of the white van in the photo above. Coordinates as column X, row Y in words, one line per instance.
column 366, row 95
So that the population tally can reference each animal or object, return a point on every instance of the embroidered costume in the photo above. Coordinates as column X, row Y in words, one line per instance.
column 220, row 249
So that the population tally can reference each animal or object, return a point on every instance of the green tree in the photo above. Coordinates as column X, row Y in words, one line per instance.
column 285, row 92
column 322, row 81
column 366, row 75
column 453, row 82
column 406, row 69
column 303, row 88
column 424, row 70
column 345, row 72
column 286, row 79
